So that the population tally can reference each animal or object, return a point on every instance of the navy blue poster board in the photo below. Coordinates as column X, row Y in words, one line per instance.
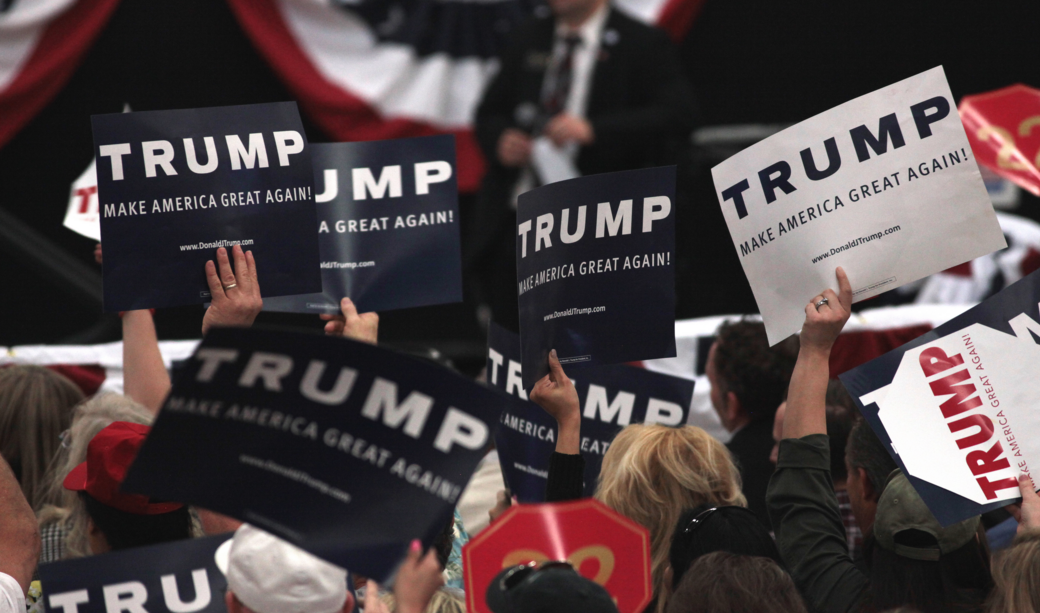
column 595, row 262
column 182, row 573
column 388, row 224
column 347, row 450
column 173, row 186
column 997, row 312
column 610, row 396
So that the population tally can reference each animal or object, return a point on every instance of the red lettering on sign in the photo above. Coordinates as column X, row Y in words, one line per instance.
column 984, row 423
column 934, row 360
column 960, row 401
column 85, row 193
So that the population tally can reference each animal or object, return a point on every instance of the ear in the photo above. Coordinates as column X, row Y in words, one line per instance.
column 348, row 606
column 870, row 492
column 734, row 412
column 669, row 575
column 92, row 529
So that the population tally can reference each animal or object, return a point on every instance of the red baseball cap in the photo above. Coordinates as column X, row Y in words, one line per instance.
column 109, row 455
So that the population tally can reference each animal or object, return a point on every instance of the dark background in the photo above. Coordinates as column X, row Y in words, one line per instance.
column 750, row 61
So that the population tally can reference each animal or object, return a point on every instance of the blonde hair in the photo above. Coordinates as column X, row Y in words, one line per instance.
column 90, row 418
column 35, row 408
column 443, row 601
column 1016, row 575
column 651, row 473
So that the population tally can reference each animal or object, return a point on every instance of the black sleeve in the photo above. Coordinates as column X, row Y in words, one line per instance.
column 809, row 532
column 670, row 110
column 566, row 478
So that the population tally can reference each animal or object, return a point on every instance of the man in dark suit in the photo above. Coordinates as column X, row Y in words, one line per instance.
column 749, row 381
column 606, row 90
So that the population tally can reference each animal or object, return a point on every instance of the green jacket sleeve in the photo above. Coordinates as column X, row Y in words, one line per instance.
column 809, row 532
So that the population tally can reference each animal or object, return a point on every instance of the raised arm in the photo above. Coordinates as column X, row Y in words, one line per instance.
column 803, row 508
column 556, row 394
column 807, row 394
column 19, row 532
column 145, row 378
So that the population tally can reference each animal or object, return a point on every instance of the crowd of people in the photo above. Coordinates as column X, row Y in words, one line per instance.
column 803, row 509
column 838, row 527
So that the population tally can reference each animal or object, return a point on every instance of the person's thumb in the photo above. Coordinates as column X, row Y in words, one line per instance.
column 414, row 552
column 556, row 369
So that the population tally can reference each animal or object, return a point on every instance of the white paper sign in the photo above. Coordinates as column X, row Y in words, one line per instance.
column 552, row 163
column 83, row 216
column 885, row 186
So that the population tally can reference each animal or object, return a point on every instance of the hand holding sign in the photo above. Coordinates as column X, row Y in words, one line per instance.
column 1027, row 514
column 236, row 297
column 826, row 314
column 362, row 327
column 417, row 580
column 556, row 394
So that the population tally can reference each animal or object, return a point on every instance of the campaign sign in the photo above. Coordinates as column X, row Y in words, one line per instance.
column 82, row 215
column 344, row 449
column 595, row 264
column 388, row 225
column 177, row 577
column 885, row 186
column 600, row 543
column 957, row 406
column 173, row 186
column 1004, row 131
column 611, row 397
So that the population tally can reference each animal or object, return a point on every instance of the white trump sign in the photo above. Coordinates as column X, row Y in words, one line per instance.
column 885, row 186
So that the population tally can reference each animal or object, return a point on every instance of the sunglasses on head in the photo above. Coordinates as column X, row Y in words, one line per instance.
column 701, row 517
column 518, row 573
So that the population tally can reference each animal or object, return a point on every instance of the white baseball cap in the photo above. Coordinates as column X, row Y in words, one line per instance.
column 269, row 575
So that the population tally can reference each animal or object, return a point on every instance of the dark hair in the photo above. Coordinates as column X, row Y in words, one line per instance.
column 841, row 416
column 747, row 366
column 445, row 541
column 865, row 450
column 124, row 530
column 959, row 581
column 731, row 529
column 722, row 582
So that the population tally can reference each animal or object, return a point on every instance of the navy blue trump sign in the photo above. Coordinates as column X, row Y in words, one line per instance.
column 388, row 225
column 595, row 266
column 177, row 577
column 611, row 397
column 957, row 407
column 173, row 186
column 344, row 449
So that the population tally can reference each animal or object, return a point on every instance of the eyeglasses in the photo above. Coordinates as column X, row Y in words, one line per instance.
column 518, row 573
column 701, row 517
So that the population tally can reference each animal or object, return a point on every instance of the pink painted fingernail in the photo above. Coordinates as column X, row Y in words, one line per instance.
column 416, row 545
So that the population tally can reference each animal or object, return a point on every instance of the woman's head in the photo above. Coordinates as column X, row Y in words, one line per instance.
column 652, row 473
column 723, row 582
column 35, row 408
column 705, row 530
column 1016, row 575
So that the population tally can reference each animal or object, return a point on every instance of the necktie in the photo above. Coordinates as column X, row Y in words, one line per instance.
column 560, row 87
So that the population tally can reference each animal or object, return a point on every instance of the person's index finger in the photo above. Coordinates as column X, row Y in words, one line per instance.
column 241, row 267
column 844, row 288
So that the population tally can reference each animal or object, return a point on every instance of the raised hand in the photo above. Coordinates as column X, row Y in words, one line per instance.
column 235, row 295
column 1026, row 513
column 556, row 394
column 362, row 327
column 417, row 580
column 823, row 323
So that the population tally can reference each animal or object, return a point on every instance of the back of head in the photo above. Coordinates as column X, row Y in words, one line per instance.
column 650, row 474
column 705, row 530
column 841, row 417
column 88, row 419
column 269, row 575
column 553, row 587
column 746, row 365
column 35, row 408
column 125, row 520
column 1016, row 575
column 723, row 582
column 914, row 560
